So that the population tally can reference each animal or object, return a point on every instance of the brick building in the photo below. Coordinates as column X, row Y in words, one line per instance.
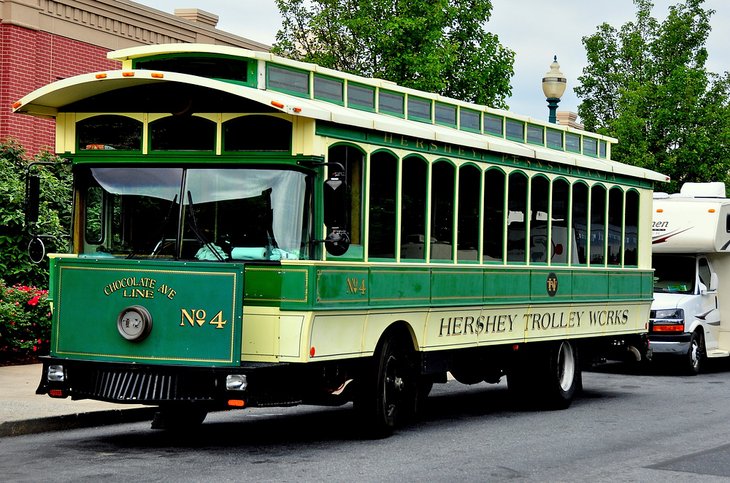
column 42, row 41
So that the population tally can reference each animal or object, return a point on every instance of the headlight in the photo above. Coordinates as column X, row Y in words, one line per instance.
column 667, row 320
column 668, row 315
column 236, row 382
column 56, row 374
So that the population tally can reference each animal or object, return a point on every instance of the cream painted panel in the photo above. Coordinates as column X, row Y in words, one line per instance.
column 339, row 335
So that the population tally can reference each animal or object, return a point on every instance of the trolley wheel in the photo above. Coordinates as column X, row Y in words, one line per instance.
column 388, row 393
column 564, row 377
column 547, row 377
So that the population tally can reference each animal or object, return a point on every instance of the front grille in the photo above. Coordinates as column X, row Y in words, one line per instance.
column 147, row 385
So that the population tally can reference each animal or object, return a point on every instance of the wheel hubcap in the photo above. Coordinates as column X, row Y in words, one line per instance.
column 566, row 366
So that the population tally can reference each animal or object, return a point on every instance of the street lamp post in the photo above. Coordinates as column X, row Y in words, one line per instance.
column 553, row 86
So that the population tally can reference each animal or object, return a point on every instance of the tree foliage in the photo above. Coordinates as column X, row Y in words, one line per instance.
column 646, row 84
column 437, row 46
column 54, row 217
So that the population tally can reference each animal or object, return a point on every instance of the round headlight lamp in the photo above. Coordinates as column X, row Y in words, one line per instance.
column 134, row 323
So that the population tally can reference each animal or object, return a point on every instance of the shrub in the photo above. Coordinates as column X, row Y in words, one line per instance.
column 55, row 212
column 25, row 322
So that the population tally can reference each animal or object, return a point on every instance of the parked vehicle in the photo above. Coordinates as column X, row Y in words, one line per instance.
column 690, row 242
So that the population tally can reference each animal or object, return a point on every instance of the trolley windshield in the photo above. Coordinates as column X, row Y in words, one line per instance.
column 204, row 214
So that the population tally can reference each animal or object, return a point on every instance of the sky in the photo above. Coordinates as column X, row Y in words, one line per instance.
column 536, row 30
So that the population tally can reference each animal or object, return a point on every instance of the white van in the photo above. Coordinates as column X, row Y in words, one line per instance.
column 690, row 247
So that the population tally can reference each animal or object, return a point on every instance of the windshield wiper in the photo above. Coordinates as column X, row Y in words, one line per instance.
column 160, row 244
column 198, row 234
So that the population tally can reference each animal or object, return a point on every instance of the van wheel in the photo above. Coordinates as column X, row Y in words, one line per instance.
column 695, row 357
column 388, row 390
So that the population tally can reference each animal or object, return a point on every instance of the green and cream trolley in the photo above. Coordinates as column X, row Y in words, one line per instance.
column 250, row 230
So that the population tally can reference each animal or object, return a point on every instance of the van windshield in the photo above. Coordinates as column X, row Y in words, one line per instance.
column 674, row 274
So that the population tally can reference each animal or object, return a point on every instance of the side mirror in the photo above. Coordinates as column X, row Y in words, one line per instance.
column 32, row 199
column 36, row 249
column 335, row 215
column 714, row 282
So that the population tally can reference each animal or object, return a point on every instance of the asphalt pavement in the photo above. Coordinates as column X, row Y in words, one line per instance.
column 22, row 411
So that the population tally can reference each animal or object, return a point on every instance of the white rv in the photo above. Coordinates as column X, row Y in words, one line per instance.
column 691, row 259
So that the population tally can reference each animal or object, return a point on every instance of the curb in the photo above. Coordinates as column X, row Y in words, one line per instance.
column 75, row 421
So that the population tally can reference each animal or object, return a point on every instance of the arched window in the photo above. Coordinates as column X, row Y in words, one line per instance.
column 257, row 133
column 631, row 229
column 598, row 225
column 539, row 211
column 442, row 211
column 383, row 192
column 109, row 132
column 182, row 133
column 580, row 224
column 468, row 220
column 494, row 219
column 413, row 208
column 559, row 219
column 615, row 219
column 351, row 159
column 516, row 219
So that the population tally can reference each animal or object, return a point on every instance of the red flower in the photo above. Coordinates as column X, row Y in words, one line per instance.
column 34, row 300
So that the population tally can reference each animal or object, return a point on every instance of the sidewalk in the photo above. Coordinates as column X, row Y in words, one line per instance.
column 22, row 411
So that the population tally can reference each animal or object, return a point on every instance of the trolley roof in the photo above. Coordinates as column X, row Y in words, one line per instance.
column 52, row 98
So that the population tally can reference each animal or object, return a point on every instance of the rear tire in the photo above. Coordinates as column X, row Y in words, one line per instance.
column 546, row 377
column 564, row 377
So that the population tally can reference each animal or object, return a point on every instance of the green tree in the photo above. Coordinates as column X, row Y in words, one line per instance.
column 437, row 46
column 647, row 85
column 54, row 217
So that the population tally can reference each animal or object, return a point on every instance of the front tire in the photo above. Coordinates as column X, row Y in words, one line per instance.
column 695, row 357
column 388, row 389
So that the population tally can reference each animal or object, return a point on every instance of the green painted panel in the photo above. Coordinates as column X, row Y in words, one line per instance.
column 626, row 285
column 195, row 310
column 342, row 286
column 400, row 287
column 285, row 287
column 449, row 286
column 507, row 286
column 551, row 286
column 590, row 285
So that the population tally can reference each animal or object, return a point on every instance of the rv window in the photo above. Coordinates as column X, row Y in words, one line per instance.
column 727, row 224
